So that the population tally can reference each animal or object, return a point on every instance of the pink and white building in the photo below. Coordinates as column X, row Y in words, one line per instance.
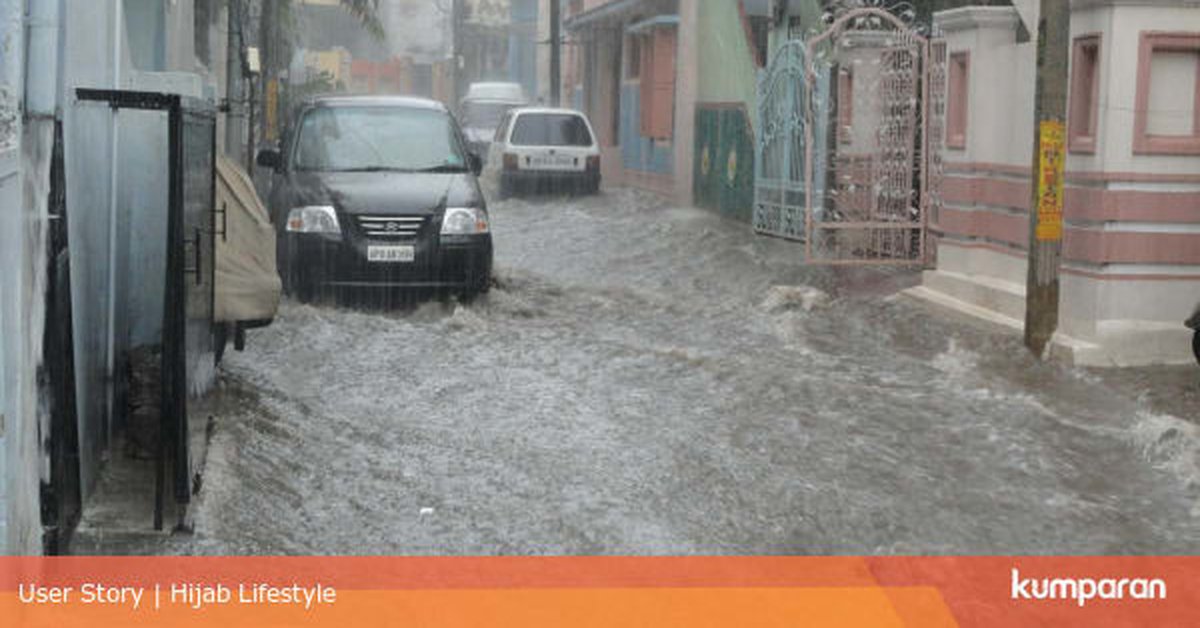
column 1131, row 251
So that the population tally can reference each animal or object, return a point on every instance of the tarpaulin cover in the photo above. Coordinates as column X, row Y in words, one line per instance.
column 248, row 285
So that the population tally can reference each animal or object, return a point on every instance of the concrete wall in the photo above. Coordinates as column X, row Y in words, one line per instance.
column 1001, row 83
column 116, row 196
column 116, row 206
column 602, row 90
column 1131, row 260
column 10, row 363
column 92, row 59
column 25, row 147
column 730, row 74
column 687, row 91
column 11, row 66
column 594, row 78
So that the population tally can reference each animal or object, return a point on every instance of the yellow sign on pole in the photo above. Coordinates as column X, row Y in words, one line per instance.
column 1050, row 181
column 271, row 110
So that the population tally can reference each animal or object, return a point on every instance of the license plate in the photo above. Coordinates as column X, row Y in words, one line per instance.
column 391, row 254
column 557, row 162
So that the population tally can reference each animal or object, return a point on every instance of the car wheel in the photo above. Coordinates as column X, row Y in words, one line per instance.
column 1196, row 345
column 482, row 286
column 593, row 186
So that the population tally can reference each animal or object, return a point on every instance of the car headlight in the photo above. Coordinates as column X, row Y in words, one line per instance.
column 465, row 221
column 313, row 219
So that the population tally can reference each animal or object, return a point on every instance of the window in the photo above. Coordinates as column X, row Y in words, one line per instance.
column 658, row 85
column 1167, row 120
column 1085, row 86
column 346, row 139
column 958, row 100
column 550, row 129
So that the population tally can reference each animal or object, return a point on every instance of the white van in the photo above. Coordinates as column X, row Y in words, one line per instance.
column 543, row 149
column 480, row 112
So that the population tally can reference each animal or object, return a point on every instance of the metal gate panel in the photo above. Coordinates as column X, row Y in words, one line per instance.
column 849, row 152
column 937, row 76
column 781, row 177
column 871, row 212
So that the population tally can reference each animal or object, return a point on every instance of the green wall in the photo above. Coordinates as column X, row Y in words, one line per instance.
column 727, row 72
column 726, row 107
column 725, row 112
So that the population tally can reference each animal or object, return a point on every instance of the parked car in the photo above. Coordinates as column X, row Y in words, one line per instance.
column 481, row 111
column 495, row 91
column 246, row 280
column 378, row 192
column 546, row 149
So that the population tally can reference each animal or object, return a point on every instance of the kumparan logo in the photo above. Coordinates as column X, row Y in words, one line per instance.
column 1083, row 590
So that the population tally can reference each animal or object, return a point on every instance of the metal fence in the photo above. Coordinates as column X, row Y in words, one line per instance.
column 849, row 153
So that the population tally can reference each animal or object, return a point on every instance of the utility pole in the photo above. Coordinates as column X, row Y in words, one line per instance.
column 234, row 99
column 456, row 47
column 1049, row 157
column 271, row 60
column 555, row 52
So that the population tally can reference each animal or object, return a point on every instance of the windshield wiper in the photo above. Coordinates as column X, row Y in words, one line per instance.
column 372, row 169
column 444, row 168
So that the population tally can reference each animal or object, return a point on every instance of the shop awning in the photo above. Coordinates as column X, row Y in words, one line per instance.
column 599, row 13
column 654, row 22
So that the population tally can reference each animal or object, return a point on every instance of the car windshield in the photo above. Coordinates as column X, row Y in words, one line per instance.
column 551, row 129
column 484, row 115
column 347, row 139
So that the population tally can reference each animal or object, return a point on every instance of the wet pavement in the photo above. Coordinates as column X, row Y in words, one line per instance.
column 650, row 380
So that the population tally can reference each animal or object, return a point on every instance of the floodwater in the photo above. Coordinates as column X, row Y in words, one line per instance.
column 650, row 380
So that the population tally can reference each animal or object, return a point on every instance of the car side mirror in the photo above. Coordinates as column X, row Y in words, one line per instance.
column 476, row 163
column 269, row 158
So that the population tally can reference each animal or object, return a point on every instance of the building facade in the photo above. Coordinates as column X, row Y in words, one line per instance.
column 499, row 42
column 103, row 174
column 671, row 87
column 1131, row 237
column 632, row 69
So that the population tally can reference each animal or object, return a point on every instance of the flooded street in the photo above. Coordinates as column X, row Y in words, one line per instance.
column 650, row 380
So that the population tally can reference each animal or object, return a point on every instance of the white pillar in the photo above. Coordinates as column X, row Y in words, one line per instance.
column 687, row 64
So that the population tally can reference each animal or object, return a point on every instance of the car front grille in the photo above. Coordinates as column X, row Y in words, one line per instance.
column 391, row 227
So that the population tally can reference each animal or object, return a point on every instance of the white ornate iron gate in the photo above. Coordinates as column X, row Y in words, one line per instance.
column 780, row 181
column 849, row 153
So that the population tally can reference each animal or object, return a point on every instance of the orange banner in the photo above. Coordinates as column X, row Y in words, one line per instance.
column 531, row 592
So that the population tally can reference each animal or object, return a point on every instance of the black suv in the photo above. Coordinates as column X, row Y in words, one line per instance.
column 378, row 192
